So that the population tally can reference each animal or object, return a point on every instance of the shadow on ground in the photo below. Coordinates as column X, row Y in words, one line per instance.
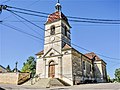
column 1, row 88
column 59, row 88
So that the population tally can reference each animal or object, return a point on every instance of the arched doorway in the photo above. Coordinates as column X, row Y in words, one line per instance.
column 51, row 72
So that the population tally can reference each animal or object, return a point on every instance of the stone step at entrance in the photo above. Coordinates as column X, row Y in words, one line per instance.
column 47, row 82
column 55, row 82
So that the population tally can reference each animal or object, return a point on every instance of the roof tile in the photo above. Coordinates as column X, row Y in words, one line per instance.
column 56, row 16
column 40, row 53
column 92, row 55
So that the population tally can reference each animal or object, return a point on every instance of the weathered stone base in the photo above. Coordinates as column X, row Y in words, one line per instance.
column 13, row 78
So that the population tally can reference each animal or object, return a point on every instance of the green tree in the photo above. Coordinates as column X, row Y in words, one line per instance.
column 8, row 68
column 29, row 66
column 108, row 79
column 117, row 75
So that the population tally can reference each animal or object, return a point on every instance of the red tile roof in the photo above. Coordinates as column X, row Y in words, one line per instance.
column 67, row 46
column 56, row 16
column 91, row 55
column 40, row 53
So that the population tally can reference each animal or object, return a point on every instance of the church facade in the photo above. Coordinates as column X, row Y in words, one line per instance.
column 60, row 60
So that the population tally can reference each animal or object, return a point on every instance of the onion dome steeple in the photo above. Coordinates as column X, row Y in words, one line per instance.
column 58, row 6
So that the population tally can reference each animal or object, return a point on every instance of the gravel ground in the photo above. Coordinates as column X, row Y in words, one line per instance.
column 100, row 86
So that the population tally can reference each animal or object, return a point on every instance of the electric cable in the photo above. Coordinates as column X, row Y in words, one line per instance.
column 19, row 30
column 64, row 41
column 28, row 26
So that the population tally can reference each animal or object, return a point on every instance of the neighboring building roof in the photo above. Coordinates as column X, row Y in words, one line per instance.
column 2, row 69
column 67, row 47
column 56, row 16
column 40, row 53
column 92, row 55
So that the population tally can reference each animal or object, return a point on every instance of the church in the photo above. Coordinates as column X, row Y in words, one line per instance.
column 60, row 60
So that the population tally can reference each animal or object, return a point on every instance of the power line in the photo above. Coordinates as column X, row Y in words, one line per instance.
column 21, row 31
column 94, row 22
column 28, row 26
column 96, row 53
column 91, row 19
column 27, row 10
column 64, row 41
column 27, row 13
column 25, row 19
column 6, row 17
column 28, row 21
column 16, row 29
column 22, row 20
column 88, row 21
column 73, row 17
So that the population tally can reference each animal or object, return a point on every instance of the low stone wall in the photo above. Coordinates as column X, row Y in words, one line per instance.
column 23, row 77
column 13, row 78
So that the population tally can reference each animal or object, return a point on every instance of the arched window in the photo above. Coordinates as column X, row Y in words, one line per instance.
column 52, row 32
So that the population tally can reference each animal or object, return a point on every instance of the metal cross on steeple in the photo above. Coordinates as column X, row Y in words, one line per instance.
column 58, row 6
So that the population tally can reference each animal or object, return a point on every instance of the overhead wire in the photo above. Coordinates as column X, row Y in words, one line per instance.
column 6, row 17
column 16, row 29
column 21, row 31
column 27, row 10
column 74, row 19
column 71, row 43
column 25, row 19
column 28, row 26
column 95, row 22
column 75, row 44
column 29, row 21
column 96, row 53
column 27, row 13
column 13, row 27
column 91, row 19
column 21, row 20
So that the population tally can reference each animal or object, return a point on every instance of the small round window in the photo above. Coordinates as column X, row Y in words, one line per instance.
column 51, row 54
column 66, row 52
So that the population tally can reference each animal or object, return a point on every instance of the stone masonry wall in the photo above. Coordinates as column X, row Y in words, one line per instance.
column 8, row 78
column 13, row 78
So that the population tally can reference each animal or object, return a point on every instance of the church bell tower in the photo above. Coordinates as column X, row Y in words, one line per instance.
column 57, row 31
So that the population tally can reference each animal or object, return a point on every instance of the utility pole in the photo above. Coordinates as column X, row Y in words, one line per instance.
column 3, row 7
column 93, row 67
column 16, row 70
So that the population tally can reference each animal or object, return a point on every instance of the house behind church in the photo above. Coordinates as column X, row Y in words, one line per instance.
column 2, row 69
column 60, row 60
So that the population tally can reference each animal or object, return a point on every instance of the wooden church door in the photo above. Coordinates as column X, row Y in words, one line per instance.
column 52, row 69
